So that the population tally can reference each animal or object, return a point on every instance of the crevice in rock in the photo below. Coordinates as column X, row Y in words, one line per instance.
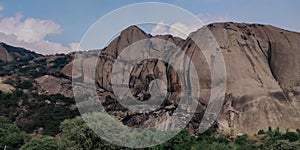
column 285, row 95
column 261, row 49
column 270, row 58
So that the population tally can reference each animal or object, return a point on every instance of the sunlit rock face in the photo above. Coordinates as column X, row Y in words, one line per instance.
column 263, row 79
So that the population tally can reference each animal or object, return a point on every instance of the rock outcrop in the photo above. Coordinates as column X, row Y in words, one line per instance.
column 6, row 88
column 4, row 55
column 263, row 79
column 9, row 53
column 53, row 85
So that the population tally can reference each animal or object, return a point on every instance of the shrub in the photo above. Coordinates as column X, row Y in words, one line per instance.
column 291, row 136
column 44, row 143
column 11, row 136
column 260, row 132
column 241, row 140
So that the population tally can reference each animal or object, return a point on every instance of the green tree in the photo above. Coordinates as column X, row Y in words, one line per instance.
column 183, row 140
column 241, row 140
column 244, row 143
column 44, row 143
column 209, row 145
column 291, row 136
column 75, row 134
column 11, row 136
column 260, row 132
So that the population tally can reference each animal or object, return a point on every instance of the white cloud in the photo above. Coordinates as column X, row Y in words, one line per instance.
column 1, row 7
column 75, row 47
column 209, row 18
column 182, row 30
column 160, row 28
column 42, row 47
column 177, row 29
column 30, row 34
column 31, row 30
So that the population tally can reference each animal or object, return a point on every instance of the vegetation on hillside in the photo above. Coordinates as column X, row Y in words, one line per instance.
column 32, row 111
column 37, row 67
column 75, row 134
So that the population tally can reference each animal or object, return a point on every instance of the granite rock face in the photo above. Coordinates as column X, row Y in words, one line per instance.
column 4, row 55
column 262, row 77
column 52, row 85
column 6, row 88
column 9, row 53
column 262, row 67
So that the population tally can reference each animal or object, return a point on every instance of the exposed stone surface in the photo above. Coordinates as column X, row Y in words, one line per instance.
column 4, row 55
column 53, row 85
column 9, row 53
column 261, row 63
column 67, row 71
column 262, row 74
column 6, row 88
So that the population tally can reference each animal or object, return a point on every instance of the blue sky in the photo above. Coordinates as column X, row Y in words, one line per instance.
column 68, row 20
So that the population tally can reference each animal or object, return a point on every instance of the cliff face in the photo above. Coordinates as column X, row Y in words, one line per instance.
column 262, row 64
column 262, row 77
column 4, row 55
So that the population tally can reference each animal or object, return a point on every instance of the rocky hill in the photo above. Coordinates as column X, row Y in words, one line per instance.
column 262, row 78
column 262, row 63
column 11, row 53
column 33, row 90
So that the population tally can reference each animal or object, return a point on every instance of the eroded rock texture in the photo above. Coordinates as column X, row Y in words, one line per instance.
column 262, row 65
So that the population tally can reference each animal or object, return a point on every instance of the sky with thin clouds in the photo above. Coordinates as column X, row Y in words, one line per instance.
column 49, row 27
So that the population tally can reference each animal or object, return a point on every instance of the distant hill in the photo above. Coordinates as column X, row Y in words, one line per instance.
column 11, row 53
